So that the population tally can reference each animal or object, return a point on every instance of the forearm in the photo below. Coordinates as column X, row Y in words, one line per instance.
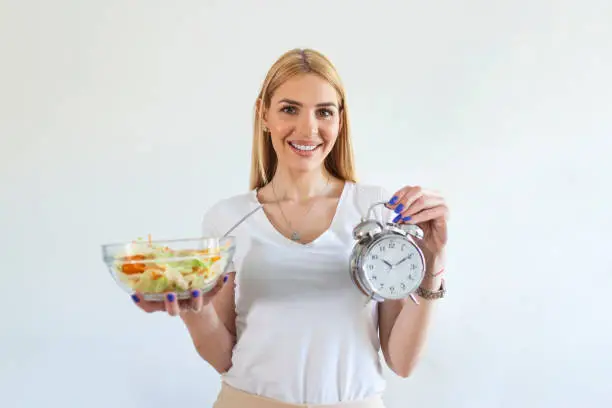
column 409, row 330
column 211, row 338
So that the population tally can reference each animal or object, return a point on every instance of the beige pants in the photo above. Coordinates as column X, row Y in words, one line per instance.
column 230, row 397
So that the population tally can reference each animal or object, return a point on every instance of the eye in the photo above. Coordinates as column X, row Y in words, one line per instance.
column 288, row 109
column 326, row 113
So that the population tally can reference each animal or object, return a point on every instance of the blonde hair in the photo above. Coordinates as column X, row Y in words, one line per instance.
column 340, row 162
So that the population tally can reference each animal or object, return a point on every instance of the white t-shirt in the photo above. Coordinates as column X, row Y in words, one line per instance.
column 305, row 333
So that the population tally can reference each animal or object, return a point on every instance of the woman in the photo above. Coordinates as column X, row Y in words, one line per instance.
column 289, row 328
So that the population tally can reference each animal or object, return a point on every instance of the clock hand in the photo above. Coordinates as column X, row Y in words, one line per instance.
column 403, row 259
column 390, row 266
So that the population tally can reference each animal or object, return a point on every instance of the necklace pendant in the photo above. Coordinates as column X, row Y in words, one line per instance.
column 295, row 236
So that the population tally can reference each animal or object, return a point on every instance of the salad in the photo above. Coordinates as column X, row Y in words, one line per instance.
column 151, row 268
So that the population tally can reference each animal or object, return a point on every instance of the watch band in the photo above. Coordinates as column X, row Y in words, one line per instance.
column 429, row 294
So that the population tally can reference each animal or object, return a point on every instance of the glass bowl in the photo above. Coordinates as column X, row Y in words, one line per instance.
column 154, row 268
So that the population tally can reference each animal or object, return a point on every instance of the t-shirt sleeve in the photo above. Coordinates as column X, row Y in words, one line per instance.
column 383, row 213
column 373, row 197
column 209, row 224
column 212, row 223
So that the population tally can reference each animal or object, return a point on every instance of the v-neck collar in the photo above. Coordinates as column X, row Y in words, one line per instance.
column 288, row 241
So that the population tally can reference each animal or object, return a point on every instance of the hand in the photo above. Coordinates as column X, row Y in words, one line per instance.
column 428, row 210
column 175, row 307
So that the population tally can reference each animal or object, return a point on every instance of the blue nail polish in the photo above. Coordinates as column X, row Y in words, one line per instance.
column 195, row 293
column 170, row 297
column 135, row 298
column 225, row 279
column 393, row 200
column 396, row 219
column 399, row 208
column 407, row 218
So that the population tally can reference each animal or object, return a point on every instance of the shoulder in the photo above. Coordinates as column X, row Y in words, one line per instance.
column 366, row 193
column 232, row 204
column 223, row 213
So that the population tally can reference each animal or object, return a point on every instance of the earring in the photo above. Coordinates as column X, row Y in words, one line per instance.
column 265, row 129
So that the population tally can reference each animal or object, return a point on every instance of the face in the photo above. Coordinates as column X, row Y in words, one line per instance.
column 304, row 121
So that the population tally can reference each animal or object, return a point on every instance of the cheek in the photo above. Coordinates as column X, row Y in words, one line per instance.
column 281, row 129
column 329, row 131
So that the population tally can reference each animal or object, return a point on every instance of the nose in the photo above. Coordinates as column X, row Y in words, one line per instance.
column 308, row 125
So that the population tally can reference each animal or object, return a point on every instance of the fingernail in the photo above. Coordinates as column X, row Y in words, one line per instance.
column 225, row 279
column 399, row 208
column 135, row 298
column 396, row 219
column 407, row 218
column 170, row 297
column 195, row 293
column 393, row 200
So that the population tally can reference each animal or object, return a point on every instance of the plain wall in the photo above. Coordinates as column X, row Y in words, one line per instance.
column 123, row 118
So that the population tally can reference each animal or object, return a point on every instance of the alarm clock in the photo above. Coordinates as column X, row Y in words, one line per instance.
column 386, row 263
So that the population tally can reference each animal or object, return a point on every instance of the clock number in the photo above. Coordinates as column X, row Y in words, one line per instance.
column 382, row 248
column 374, row 277
column 403, row 286
column 371, row 267
column 413, row 267
column 374, row 257
column 381, row 285
column 403, row 247
column 392, row 289
column 391, row 244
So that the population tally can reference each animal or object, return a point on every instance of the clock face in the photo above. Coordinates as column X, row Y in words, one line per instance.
column 394, row 267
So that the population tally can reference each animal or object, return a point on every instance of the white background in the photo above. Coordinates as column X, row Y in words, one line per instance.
column 122, row 118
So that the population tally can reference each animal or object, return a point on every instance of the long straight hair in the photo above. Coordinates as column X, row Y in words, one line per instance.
column 340, row 161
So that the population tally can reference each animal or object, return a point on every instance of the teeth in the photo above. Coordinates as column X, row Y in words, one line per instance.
column 302, row 147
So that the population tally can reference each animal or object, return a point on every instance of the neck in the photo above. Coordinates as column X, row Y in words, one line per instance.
column 300, row 186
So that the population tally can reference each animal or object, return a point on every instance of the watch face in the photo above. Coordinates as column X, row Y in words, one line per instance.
column 394, row 267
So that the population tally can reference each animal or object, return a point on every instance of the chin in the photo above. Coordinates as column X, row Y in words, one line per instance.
column 305, row 167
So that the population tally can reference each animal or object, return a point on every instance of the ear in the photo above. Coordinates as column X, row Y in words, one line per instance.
column 261, row 108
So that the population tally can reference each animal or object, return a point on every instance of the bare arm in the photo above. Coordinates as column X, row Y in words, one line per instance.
column 403, row 328
column 213, row 329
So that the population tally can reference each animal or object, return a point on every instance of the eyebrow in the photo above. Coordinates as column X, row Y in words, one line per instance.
column 292, row 102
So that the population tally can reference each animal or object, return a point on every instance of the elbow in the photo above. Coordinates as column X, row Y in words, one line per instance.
column 220, row 362
column 405, row 368
column 222, row 368
column 403, row 372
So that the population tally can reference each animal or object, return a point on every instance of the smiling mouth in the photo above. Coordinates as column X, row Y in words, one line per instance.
column 305, row 148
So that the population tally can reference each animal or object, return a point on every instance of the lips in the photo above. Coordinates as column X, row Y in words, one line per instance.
column 303, row 147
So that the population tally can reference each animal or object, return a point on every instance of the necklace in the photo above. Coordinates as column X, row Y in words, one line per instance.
column 295, row 234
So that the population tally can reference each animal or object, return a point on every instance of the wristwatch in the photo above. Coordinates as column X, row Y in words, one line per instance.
column 429, row 294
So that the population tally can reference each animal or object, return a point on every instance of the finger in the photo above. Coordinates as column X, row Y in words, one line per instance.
column 220, row 284
column 196, row 300
column 397, row 197
column 145, row 305
column 422, row 203
column 439, row 211
column 172, row 306
column 407, row 196
column 406, row 191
